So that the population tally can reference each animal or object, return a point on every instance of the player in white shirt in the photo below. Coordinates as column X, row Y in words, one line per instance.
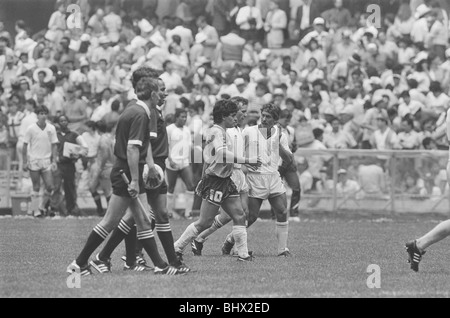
column 39, row 157
column 178, row 163
column 269, row 144
column 238, row 176
column 29, row 118
column 417, row 248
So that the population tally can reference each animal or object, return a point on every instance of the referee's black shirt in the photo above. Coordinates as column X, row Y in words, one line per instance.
column 133, row 128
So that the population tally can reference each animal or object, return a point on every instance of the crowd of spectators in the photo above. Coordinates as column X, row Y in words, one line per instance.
column 346, row 83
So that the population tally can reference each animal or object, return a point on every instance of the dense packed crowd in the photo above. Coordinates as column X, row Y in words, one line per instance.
column 341, row 82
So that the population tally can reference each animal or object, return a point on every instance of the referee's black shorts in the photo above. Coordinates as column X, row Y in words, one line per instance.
column 162, row 189
column 120, row 188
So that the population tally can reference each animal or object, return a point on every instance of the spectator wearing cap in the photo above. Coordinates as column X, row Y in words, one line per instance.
column 112, row 23
column 420, row 73
column 75, row 110
column 338, row 15
column 170, row 77
column 437, row 38
column 103, row 52
column 275, row 24
column 212, row 37
column 420, row 27
column 249, row 21
column 197, row 51
column 319, row 32
column 305, row 16
column 345, row 186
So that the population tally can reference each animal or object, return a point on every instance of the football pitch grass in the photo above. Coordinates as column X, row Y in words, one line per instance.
column 330, row 258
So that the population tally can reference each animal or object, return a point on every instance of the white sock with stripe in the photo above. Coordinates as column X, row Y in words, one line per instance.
column 206, row 233
column 282, row 236
column 186, row 238
column 240, row 237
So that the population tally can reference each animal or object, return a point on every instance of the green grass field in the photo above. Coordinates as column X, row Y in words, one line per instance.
column 330, row 259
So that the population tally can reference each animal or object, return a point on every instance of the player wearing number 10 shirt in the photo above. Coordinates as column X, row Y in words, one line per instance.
column 216, row 187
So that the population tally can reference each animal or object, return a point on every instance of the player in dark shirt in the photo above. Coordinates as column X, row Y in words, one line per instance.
column 157, row 154
column 132, row 142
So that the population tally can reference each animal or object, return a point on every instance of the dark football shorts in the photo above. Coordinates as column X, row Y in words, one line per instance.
column 120, row 188
column 216, row 190
column 162, row 189
column 285, row 168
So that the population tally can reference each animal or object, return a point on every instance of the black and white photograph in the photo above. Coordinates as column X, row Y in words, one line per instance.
column 227, row 156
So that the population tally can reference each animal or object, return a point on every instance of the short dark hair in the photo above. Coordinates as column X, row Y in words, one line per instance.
column 31, row 102
column 272, row 109
column 238, row 100
column 145, row 87
column 101, row 126
column 41, row 109
column 115, row 105
column 285, row 114
column 142, row 73
column 179, row 112
column 222, row 109
column 317, row 132
column 91, row 124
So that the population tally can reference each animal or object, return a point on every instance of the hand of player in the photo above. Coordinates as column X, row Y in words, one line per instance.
column 133, row 189
column 153, row 175
column 253, row 163
column 173, row 164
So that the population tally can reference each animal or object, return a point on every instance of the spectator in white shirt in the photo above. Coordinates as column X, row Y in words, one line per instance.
column 437, row 37
column 437, row 101
column 249, row 21
column 345, row 186
column 276, row 22
column 409, row 139
column 170, row 78
column 113, row 24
